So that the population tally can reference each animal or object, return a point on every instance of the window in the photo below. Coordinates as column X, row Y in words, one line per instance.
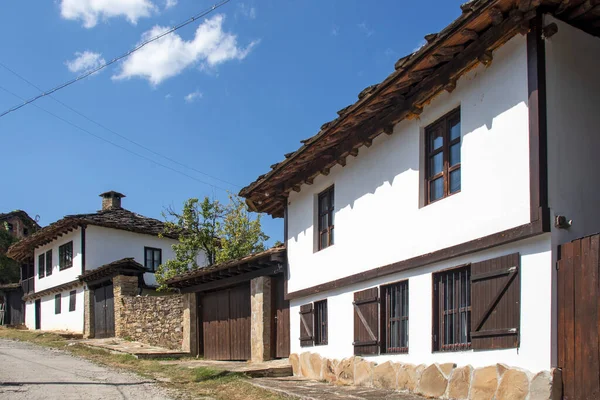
column 25, row 231
column 49, row 262
column 72, row 297
column 321, row 322
column 443, row 157
column 41, row 266
column 10, row 227
column 153, row 258
column 394, row 315
column 452, row 309
column 65, row 256
column 57, row 304
column 326, row 208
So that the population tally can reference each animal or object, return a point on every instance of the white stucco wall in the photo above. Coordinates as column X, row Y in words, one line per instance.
column 65, row 321
column 380, row 218
column 59, row 277
column 573, row 91
column 536, row 316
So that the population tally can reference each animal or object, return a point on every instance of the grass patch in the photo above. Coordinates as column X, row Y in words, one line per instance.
column 189, row 382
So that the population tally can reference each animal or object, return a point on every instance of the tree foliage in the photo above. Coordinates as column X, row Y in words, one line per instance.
column 9, row 268
column 220, row 232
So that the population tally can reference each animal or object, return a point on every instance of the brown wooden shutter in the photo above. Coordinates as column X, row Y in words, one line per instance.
column 496, row 303
column 307, row 319
column 366, row 321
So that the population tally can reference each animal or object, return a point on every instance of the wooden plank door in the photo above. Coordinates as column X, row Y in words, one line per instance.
column 578, row 318
column 104, row 312
column 281, row 319
column 38, row 314
column 239, row 323
column 109, row 309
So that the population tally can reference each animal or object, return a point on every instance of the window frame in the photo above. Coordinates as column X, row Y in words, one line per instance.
column 321, row 315
column 152, row 249
column 72, row 300
column 57, row 303
column 49, row 265
column 41, row 272
column 439, row 331
column 447, row 169
column 63, row 262
column 330, row 212
column 385, row 318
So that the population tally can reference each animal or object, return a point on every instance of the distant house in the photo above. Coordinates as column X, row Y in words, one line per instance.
column 442, row 219
column 76, row 259
column 18, row 223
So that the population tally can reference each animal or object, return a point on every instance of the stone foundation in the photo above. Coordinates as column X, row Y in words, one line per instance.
column 445, row 381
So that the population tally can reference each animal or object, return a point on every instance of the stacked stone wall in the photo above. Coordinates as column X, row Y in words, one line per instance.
column 446, row 381
column 156, row 320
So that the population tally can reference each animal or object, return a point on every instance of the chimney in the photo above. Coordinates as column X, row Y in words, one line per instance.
column 111, row 200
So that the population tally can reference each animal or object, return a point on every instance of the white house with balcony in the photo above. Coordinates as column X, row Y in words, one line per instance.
column 423, row 224
column 81, row 253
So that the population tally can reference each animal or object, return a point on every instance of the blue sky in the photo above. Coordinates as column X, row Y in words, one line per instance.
column 227, row 96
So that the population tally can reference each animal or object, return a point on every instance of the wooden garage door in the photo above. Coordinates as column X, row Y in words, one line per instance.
column 226, row 324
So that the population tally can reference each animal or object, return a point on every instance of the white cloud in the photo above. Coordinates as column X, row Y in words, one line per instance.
column 170, row 55
column 90, row 11
column 246, row 11
column 170, row 4
column 364, row 28
column 168, row 96
column 84, row 62
column 191, row 97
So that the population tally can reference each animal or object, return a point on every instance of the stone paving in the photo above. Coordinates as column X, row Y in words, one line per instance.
column 313, row 390
column 140, row 350
column 273, row 368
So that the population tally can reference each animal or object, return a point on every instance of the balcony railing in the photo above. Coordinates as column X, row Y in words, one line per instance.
column 28, row 285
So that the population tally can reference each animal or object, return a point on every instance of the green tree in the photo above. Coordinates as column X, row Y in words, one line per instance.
column 222, row 233
column 239, row 234
column 9, row 268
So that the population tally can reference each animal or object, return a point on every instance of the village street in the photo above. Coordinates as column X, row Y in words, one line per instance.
column 31, row 372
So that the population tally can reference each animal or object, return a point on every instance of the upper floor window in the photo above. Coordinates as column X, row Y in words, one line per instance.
column 152, row 259
column 10, row 227
column 443, row 157
column 65, row 256
column 49, row 262
column 25, row 231
column 41, row 266
column 325, row 215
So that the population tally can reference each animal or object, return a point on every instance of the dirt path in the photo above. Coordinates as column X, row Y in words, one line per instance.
column 32, row 372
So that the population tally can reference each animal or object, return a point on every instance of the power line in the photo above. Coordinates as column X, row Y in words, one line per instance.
column 116, row 133
column 114, row 60
column 117, row 145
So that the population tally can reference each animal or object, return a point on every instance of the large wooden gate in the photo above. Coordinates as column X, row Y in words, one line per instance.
column 281, row 319
column 578, row 323
column 226, row 324
column 104, row 312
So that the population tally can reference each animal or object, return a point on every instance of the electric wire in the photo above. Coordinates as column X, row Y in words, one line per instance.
column 117, row 145
column 114, row 60
column 114, row 132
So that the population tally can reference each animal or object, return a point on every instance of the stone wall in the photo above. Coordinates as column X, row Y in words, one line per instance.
column 445, row 381
column 156, row 320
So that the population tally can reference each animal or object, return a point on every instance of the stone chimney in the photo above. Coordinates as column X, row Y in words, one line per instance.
column 111, row 200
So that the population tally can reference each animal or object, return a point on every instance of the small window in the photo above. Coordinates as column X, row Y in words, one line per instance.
column 25, row 231
column 10, row 227
column 57, row 304
column 72, row 297
column 41, row 266
column 49, row 262
column 443, row 157
column 65, row 256
column 395, row 317
column 153, row 258
column 326, row 215
column 452, row 310
column 320, row 322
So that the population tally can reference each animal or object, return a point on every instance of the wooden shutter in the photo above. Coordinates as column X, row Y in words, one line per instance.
column 496, row 303
column 366, row 322
column 307, row 325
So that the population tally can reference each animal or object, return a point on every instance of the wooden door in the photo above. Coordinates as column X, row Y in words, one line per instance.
column 226, row 324
column 104, row 312
column 578, row 322
column 38, row 314
column 281, row 319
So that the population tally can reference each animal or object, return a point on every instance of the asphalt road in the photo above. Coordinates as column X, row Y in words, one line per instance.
column 31, row 372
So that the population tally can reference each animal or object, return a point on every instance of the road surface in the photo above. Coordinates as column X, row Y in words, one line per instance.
column 31, row 372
